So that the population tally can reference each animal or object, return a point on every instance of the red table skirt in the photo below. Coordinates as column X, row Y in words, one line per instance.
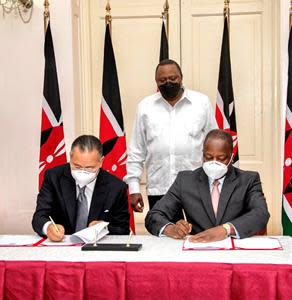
column 142, row 280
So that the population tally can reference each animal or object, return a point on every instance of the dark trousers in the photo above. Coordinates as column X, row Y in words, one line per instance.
column 153, row 199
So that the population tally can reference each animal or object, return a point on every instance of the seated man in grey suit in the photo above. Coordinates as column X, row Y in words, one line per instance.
column 218, row 199
column 80, row 194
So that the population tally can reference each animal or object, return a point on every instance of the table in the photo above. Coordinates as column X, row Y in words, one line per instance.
column 161, row 270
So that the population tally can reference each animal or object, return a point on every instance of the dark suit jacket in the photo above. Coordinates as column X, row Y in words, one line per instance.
column 241, row 203
column 57, row 198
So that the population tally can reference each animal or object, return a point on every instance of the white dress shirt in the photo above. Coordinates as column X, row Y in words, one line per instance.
column 88, row 193
column 211, row 181
column 168, row 139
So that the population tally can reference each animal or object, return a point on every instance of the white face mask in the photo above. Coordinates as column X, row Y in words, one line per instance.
column 215, row 169
column 82, row 177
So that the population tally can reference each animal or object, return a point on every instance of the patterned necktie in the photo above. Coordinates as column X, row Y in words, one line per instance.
column 82, row 209
column 215, row 195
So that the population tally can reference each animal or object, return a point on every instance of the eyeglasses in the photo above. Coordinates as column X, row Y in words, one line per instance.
column 89, row 170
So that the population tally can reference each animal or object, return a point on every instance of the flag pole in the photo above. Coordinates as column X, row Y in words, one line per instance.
column 165, row 16
column 108, row 17
column 226, row 13
column 46, row 14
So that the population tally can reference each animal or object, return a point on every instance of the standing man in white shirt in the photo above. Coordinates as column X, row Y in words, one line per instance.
column 168, row 135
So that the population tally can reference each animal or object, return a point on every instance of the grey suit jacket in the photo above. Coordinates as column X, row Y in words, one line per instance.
column 241, row 203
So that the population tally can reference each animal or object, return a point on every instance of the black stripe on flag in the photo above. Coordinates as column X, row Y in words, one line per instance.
column 110, row 83
column 45, row 134
column 163, row 44
column 51, row 86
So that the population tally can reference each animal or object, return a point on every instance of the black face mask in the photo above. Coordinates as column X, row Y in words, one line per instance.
column 169, row 90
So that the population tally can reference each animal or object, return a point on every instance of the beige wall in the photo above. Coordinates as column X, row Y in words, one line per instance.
column 21, row 83
column 21, row 80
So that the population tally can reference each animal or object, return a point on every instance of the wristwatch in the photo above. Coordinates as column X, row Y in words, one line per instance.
column 227, row 227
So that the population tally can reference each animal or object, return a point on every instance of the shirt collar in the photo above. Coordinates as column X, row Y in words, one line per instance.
column 90, row 185
column 221, row 180
column 184, row 97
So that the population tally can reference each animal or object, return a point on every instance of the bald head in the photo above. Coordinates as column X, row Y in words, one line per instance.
column 221, row 135
column 218, row 145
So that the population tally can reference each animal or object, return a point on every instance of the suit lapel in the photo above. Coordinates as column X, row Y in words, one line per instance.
column 228, row 187
column 68, row 187
column 206, row 196
column 98, row 197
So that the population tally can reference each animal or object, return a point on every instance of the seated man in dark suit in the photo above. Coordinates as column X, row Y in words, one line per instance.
column 218, row 199
column 80, row 194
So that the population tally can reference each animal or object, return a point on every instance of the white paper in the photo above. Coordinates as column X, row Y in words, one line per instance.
column 265, row 243
column 66, row 242
column 224, row 244
column 86, row 235
column 19, row 240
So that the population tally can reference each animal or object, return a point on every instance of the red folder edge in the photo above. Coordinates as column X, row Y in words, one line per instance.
column 233, row 247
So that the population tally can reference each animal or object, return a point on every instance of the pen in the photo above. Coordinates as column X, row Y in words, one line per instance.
column 129, row 239
column 184, row 214
column 54, row 224
column 185, row 218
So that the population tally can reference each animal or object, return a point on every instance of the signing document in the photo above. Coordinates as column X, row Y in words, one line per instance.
column 252, row 243
column 86, row 235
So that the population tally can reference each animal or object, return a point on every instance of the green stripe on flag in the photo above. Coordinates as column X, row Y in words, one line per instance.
column 286, row 223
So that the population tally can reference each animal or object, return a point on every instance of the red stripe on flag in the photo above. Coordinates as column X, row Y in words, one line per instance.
column 107, row 131
column 219, row 117
column 287, row 125
column 46, row 124
column 115, row 161
column 50, row 156
column 287, row 169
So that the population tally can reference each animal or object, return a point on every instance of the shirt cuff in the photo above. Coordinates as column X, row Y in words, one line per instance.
column 162, row 229
column 236, row 236
column 45, row 227
column 134, row 187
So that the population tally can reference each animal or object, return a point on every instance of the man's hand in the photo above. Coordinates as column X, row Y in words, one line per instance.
column 94, row 222
column 214, row 234
column 178, row 230
column 137, row 202
column 53, row 234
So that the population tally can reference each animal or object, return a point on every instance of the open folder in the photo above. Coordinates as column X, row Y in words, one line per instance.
column 252, row 243
column 87, row 235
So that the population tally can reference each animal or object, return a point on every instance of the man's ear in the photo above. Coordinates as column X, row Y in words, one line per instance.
column 101, row 160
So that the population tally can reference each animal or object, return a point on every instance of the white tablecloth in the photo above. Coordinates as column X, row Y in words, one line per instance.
column 154, row 249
